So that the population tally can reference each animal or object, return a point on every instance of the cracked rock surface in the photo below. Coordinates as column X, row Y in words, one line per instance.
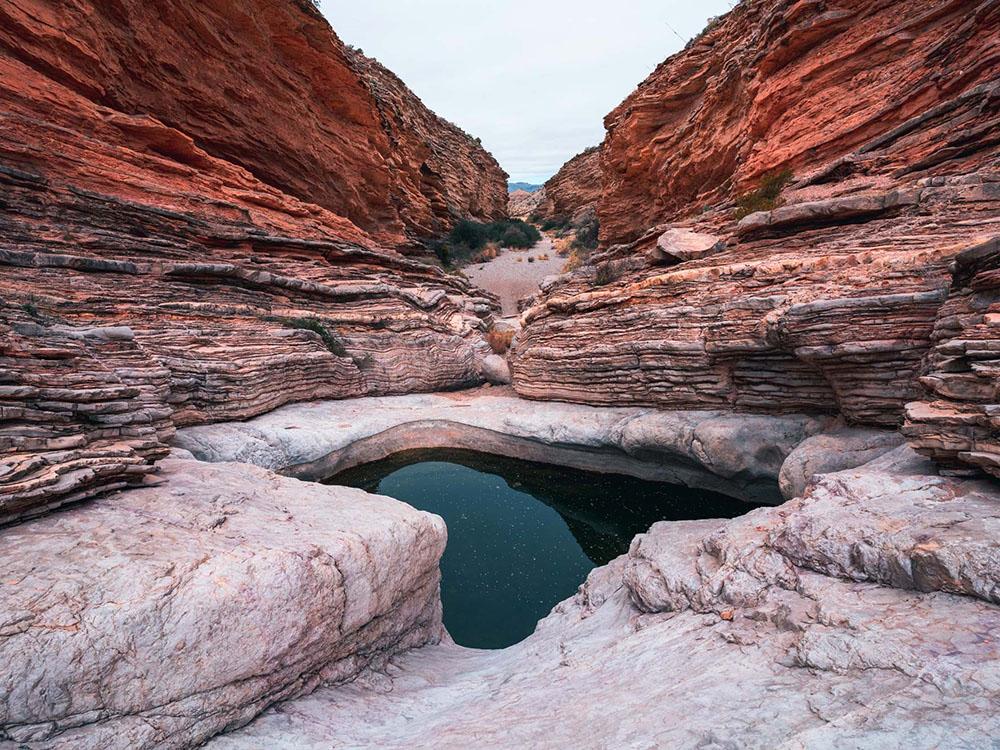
column 162, row 616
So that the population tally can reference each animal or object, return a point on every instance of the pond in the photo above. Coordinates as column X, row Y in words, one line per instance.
column 522, row 536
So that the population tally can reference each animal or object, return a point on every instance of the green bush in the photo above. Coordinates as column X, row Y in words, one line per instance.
column 468, row 238
column 766, row 197
column 587, row 234
column 330, row 340
column 555, row 223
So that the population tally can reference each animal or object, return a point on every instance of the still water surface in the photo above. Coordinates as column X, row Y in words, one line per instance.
column 523, row 536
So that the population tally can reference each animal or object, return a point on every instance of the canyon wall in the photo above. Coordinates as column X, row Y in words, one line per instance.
column 829, row 297
column 795, row 84
column 178, row 184
column 522, row 205
column 574, row 190
column 267, row 85
column 443, row 173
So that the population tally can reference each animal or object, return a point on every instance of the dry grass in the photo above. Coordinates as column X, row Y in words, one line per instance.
column 499, row 341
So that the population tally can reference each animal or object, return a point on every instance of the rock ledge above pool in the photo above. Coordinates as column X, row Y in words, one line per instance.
column 738, row 454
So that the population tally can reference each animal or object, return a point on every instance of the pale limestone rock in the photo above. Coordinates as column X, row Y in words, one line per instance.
column 740, row 454
column 834, row 450
column 162, row 616
column 705, row 635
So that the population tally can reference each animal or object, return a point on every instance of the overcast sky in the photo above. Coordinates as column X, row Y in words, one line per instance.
column 532, row 78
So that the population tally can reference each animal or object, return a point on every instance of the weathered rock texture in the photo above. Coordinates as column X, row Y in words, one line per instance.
column 741, row 455
column 522, row 204
column 958, row 423
column 769, row 631
column 828, row 303
column 443, row 174
column 266, row 85
column 779, row 83
column 158, row 268
column 160, row 617
column 574, row 190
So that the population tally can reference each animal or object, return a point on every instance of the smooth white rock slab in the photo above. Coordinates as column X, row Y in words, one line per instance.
column 159, row 617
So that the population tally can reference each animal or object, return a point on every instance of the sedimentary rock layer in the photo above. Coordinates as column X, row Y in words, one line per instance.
column 442, row 173
column 777, row 83
column 774, row 631
column 266, row 85
column 146, row 282
column 958, row 421
column 827, row 296
column 522, row 205
column 820, row 316
column 574, row 190
column 159, row 617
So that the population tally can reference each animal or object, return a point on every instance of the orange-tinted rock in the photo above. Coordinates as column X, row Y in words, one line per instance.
column 777, row 83
column 888, row 114
column 574, row 190
column 442, row 173
column 149, row 282
column 267, row 86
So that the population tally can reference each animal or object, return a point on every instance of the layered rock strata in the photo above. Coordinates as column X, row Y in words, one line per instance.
column 775, row 628
column 159, row 617
column 830, row 298
column 958, row 422
column 150, row 280
column 832, row 314
column 523, row 205
column 574, row 191
column 267, row 86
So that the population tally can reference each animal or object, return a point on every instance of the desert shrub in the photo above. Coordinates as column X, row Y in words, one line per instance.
column 332, row 342
column 607, row 273
column 472, row 234
column 499, row 341
column 471, row 241
column 30, row 308
column 766, row 197
column 555, row 223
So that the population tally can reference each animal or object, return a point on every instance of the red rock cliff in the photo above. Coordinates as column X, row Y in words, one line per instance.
column 790, row 83
column 170, row 180
column 266, row 85
column 443, row 173
column 574, row 189
column 841, row 298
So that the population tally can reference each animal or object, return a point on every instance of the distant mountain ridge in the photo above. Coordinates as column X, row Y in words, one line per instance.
column 525, row 186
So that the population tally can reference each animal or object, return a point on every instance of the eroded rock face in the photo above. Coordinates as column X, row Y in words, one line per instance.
column 830, row 300
column 958, row 422
column 778, row 84
column 270, row 87
column 159, row 617
column 150, row 280
column 574, row 190
column 771, row 631
column 522, row 205
column 442, row 173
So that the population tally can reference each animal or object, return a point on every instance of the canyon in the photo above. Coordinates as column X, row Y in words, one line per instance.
column 216, row 290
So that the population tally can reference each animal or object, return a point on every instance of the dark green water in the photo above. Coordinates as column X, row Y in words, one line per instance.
column 523, row 536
